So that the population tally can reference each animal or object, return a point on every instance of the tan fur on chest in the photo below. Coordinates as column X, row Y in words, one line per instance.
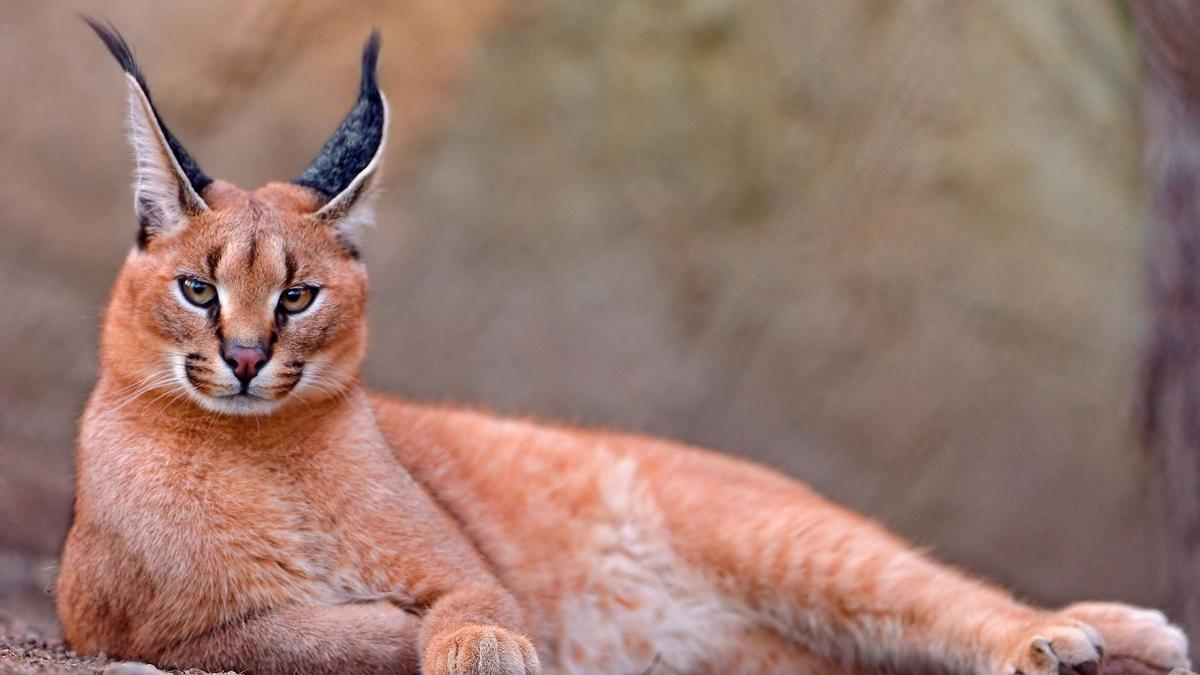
column 221, row 524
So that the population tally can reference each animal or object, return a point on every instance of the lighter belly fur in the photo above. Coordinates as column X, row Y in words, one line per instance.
column 639, row 608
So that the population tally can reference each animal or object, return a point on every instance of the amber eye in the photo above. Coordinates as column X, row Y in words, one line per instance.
column 297, row 298
column 197, row 292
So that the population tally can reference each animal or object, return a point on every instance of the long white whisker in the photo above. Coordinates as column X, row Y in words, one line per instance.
column 161, row 395
column 156, row 376
column 130, row 387
column 159, row 380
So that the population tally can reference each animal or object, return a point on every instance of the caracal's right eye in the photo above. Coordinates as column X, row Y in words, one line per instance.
column 199, row 293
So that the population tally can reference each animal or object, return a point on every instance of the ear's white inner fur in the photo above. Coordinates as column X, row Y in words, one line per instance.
column 159, row 181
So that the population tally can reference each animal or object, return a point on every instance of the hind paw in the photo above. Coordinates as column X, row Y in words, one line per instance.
column 1135, row 634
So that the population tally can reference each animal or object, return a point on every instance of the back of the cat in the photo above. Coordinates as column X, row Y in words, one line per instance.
column 633, row 550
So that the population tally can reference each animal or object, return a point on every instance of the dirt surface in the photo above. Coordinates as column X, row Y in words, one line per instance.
column 25, row 650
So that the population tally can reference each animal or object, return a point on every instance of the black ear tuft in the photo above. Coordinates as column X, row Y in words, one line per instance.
column 119, row 48
column 370, row 60
column 357, row 140
column 121, row 51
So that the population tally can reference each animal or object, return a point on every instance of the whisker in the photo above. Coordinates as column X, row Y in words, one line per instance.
column 156, row 398
column 293, row 394
column 128, row 388
column 144, row 387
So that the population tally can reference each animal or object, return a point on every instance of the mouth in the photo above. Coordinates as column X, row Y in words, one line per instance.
column 244, row 400
column 249, row 398
column 237, row 403
column 245, row 393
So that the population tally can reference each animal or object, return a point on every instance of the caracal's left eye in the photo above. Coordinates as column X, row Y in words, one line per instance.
column 297, row 298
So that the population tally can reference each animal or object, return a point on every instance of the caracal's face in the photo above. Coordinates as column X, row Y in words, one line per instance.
column 251, row 306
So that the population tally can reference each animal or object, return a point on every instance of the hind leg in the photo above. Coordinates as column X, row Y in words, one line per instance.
column 844, row 588
column 761, row 651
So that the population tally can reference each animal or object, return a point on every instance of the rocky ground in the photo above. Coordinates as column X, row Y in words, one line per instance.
column 24, row 649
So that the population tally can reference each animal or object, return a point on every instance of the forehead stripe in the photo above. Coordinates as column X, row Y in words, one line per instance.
column 212, row 260
column 289, row 261
column 253, row 249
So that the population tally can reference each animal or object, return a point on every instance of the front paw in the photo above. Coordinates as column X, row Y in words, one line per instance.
column 1054, row 646
column 477, row 649
column 1132, row 634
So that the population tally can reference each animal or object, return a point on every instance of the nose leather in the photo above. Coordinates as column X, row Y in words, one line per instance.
column 245, row 361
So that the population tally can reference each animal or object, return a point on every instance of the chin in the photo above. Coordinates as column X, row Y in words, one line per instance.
column 237, row 404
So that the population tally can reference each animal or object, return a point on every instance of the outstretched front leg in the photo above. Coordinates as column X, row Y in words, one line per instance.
column 462, row 635
column 368, row 638
column 844, row 588
column 471, row 624
column 459, row 636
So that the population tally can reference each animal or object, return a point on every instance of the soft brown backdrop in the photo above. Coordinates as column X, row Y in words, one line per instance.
column 894, row 249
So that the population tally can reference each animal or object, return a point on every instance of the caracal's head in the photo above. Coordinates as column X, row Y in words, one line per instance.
column 242, row 302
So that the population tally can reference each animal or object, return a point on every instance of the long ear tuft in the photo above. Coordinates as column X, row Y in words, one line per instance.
column 343, row 173
column 167, row 182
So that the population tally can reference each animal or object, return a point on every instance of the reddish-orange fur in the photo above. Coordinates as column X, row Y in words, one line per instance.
column 333, row 529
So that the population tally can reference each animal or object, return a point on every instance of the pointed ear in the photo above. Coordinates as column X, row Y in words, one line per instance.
column 167, row 182
column 345, row 173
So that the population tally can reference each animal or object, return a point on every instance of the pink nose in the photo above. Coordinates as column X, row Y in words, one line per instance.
column 245, row 362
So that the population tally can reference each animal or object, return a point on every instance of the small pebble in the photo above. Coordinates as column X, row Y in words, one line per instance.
column 131, row 668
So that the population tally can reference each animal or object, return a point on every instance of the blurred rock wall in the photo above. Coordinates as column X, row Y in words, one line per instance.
column 894, row 249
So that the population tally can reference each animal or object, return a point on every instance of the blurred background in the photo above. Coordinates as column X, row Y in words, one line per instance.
column 896, row 250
